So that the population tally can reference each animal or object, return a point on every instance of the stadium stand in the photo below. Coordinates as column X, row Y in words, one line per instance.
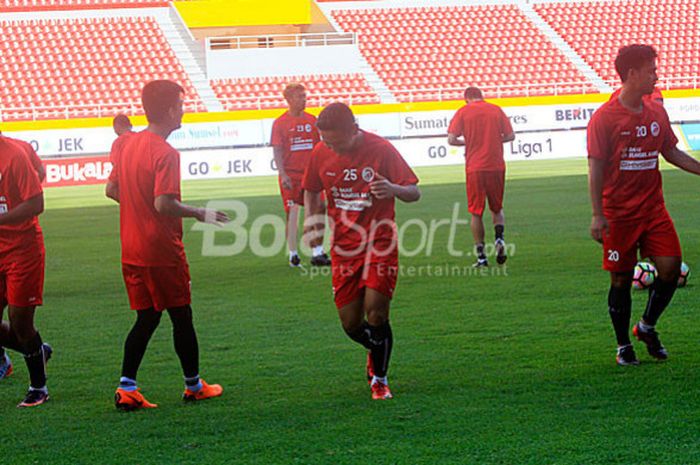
column 266, row 92
column 95, row 65
column 445, row 48
column 597, row 29
column 83, row 67
column 39, row 5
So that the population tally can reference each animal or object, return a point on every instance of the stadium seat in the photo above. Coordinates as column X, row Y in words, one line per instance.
column 401, row 44
column 251, row 94
column 597, row 30
column 94, row 79
column 39, row 5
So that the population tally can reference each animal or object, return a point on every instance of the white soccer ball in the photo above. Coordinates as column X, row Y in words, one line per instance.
column 644, row 275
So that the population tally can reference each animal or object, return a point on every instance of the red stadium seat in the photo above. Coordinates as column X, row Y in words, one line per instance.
column 403, row 44
column 37, row 5
column 99, row 78
column 239, row 94
column 669, row 25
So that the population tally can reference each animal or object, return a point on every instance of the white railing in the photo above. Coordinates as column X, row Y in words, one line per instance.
column 531, row 90
column 282, row 40
column 98, row 110
column 312, row 100
column 32, row 113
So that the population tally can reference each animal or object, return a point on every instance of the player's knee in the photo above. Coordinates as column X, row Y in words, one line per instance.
column 23, row 333
column 148, row 320
column 181, row 317
column 669, row 273
column 354, row 332
column 351, row 325
column 377, row 316
column 621, row 280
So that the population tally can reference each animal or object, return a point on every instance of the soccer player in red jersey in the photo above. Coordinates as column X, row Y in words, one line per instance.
column 22, row 265
column 482, row 128
column 294, row 135
column 655, row 96
column 33, row 159
column 361, row 174
column 122, row 125
column 625, row 137
column 123, row 129
column 145, row 181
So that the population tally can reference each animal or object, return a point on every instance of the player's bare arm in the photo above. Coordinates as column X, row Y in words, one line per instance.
column 682, row 160
column 455, row 140
column 508, row 137
column 112, row 191
column 599, row 225
column 168, row 205
column 382, row 188
column 278, row 153
column 314, row 214
column 24, row 211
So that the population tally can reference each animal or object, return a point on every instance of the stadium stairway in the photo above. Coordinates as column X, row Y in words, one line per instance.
column 569, row 52
column 191, row 56
column 373, row 79
column 375, row 82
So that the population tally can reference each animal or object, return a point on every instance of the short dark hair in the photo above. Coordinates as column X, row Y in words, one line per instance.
column 473, row 93
column 121, row 120
column 633, row 57
column 337, row 115
column 158, row 97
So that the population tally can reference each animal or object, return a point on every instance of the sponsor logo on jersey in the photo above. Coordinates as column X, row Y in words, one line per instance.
column 353, row 205
column 368, row 174
column 638, row 165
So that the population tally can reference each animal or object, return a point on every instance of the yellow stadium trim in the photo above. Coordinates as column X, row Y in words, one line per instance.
column 360, row 110
column 225, row 13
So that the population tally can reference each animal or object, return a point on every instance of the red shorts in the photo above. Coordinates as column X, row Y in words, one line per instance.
column 653, row 237
column 482, row 185
column 351, row 277
column 159, row 287
column 22, row 278
column 293, row 196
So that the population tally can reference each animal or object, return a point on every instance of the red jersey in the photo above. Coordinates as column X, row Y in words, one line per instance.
column 655, row 96
column 483, row 126
column 629, row 144
column 32, row 156
column 297, row 136
column 118, row 142
column 144, row 167
column 18, row 183
column 357, row 215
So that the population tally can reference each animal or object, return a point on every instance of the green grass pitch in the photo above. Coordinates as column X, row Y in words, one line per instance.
column 516, row 367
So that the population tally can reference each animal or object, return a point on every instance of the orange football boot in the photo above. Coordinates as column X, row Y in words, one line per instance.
column 131, row 400
column 207, row 391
